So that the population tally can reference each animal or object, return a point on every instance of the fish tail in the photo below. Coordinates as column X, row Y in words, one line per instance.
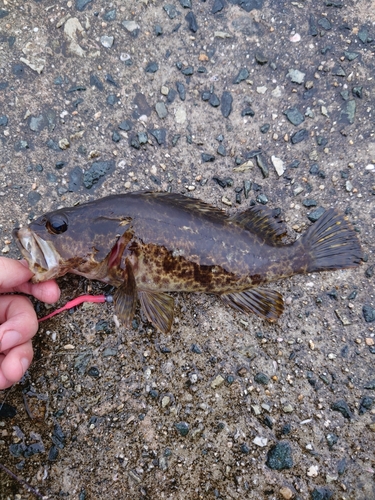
column 331, row 243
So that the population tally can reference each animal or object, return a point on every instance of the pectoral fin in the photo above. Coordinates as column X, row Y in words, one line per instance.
column 158, row 308
column 125, row 297
column 265, row 303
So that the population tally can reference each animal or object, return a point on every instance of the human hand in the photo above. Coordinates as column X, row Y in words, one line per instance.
column 18, row 321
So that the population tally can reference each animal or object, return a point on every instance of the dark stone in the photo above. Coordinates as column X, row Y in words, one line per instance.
column 53, row 453
column 58, row 436
column 357, row 92
column 3, row 121
column 17, row 449
column 314, row 169
column 171, row 96
column 308, row 202
column 321, row 494
column 325, row 24
column 265, row 128
column 294, row 164
column 221, row 150
column 81, row 362
column 206, row 94
column 342, row 407
column 116, row 137
column 142, row 138
column 279, row 457
column 141, row 106
column 51, row 144
column 93, row 372
column 262, row 378
column 170, row 10
column 110, row 15
column 331, row 440
column 217, row 6
column 112, row 99
column 109, row 78
column 294, row 116
column 268, row 421
column 263, row 165
column 75, row 179
column 247, row 188
column 261, row 58
column 348, row 110
column 152, row 67
column 313, row 30
column 244, row 449
column 96, row 172
column 316, row 214
column 207, row 157
column 365, row 404
column 175, row 139
column 76, row 88
column 248, row 5
column 3, row 85
column 158, row 30
column 186, row 4
column 3, row 13
column 341, row 466
column 262, row 199
column 96, row 82
column 182, row 428
column 134, row 142
column 81, row 4
column 248, row 112
column 188, row 71
column 160, row 135
column 7, row 411
column 368, row 313
column 181, row 90
column 350, row 56
column 125, row 125
column 369, row 273
column 214, row 100
column 363, row 34
column 195, row 349
column 339, row 71
column 33, row 197
column 370, row 385
column 226, row 103
column 299, row 136
column 192, row 21
column 33, row 449
column 242, row 75
column 227, row 182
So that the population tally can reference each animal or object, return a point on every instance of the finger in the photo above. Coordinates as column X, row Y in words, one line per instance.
column 19, row 321
column 48, row 291
column 14, row 364
column 12, row 273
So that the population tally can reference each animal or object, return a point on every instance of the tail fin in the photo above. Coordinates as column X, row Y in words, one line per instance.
column 332, row 243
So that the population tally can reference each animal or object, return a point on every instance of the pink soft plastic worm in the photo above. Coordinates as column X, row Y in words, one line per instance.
column 76, row 302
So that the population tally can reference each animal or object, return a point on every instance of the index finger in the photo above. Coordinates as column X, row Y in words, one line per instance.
column 12, row 273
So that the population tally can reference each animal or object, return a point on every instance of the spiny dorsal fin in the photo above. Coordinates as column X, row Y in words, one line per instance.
column 265, row 303
column 263, row 222
column 158, row 308
column 125, row 297
column 190, row 204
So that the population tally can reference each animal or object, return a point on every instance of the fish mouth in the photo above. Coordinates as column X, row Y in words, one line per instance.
column 41, row 256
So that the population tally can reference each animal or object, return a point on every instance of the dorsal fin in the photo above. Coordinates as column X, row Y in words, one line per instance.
column 262, row 222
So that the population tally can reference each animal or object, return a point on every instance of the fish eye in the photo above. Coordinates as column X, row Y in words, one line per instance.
column 57, row 224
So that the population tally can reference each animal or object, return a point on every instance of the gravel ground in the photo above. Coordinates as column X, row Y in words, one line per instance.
column 233, row 102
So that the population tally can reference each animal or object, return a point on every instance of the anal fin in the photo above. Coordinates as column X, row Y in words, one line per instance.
column 125, row 297
column 265, row 303
column 158, row 308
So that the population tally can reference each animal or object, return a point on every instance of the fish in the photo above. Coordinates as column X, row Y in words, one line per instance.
column 148, row 244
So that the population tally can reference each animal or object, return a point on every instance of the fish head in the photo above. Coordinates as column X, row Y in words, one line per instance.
column 87, row 240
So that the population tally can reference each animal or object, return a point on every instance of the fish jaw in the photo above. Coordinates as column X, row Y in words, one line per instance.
column 41, row 256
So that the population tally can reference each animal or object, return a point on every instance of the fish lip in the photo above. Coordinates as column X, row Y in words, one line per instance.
column 41, row 256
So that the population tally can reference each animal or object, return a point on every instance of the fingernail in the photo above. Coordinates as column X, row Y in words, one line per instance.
column 10, row 339
column 25, row 364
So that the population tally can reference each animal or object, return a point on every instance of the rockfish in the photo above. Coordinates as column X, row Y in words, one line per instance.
column 146, row 244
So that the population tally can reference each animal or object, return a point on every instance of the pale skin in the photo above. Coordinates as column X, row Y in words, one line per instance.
column 18, row 321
